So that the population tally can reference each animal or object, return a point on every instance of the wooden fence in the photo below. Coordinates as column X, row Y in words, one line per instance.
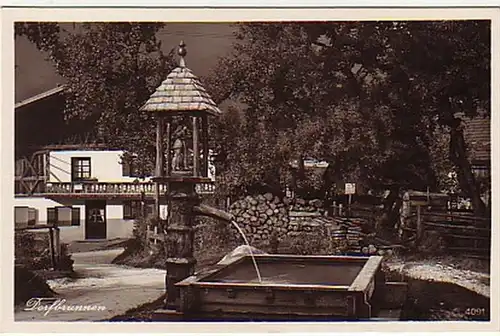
column 462, row 233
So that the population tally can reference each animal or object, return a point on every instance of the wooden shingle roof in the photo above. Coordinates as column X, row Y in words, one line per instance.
column 181, row 92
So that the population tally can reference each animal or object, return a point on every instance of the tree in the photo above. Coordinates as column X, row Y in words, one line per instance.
column 110, row 70
column 366, row 96
column 450, row 61
column 313, row 104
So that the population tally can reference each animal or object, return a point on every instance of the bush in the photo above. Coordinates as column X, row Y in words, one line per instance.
column 210, row 232
column 32, row 250
column 140, row 230
column 307, row 243
column 432, row 243
column 28, row 284
column 311, row 186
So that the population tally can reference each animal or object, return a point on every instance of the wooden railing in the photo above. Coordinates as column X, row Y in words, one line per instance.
column 115, row 188
column 464, row 233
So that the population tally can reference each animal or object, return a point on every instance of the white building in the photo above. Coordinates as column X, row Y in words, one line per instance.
column 90, row 179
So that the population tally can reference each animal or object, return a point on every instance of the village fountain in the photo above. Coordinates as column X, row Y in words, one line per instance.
column 261, row 287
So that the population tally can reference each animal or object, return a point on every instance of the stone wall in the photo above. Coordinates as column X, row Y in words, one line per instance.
column 261, row 216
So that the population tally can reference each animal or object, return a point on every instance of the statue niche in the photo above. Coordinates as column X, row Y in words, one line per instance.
column 179, row 160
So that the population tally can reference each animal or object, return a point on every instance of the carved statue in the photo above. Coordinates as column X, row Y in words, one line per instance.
column 179, row 148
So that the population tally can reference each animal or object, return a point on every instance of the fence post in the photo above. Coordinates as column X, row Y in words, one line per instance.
column 57, row 243
column 51, row 247
column 155, row 232
column 330, row 238
column 420, row 226
column 148, row 227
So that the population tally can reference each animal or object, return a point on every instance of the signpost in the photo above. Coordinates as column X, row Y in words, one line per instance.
column 350, row 189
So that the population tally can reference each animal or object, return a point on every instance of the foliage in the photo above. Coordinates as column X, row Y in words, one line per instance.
column 307, row 243
column 140, row 231
column 32, row 250
column 211, row 233
column 28, row 284
column 299, row 105
column 110, row 70
column 365, row 96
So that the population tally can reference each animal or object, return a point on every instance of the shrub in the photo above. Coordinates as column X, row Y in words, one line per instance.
column 28, row 284
column 307, row 243
column 32, row 250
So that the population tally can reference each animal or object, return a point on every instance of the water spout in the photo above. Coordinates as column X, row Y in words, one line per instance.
column 206, row 210
column 209, row 211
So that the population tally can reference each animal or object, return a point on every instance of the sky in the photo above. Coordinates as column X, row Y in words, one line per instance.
column 206, row 42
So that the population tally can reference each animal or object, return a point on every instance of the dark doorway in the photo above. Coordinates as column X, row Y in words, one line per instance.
column 95, row 219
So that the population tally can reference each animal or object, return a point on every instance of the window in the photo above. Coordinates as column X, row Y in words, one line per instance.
column 52, row 217
column 80, row 169
column 132, row 209
column 480, row 171
column 75, row 216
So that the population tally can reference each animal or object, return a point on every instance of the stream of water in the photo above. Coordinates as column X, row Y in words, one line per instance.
column 249, row 249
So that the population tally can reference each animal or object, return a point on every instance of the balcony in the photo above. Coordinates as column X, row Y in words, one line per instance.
column 109, row 189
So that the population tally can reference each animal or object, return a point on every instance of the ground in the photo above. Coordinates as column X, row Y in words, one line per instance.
column 117, row 288
column 440, row 289
column 444, row 270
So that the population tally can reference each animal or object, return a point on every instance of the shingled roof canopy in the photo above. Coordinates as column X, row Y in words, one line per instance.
column 181, row 92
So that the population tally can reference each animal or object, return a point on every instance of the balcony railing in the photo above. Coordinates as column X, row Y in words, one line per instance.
column 115, row 188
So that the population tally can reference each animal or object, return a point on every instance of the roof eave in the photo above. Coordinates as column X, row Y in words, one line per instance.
column 40, row 96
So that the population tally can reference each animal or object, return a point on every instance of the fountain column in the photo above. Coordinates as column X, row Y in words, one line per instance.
column 180, row 261
column 179, row 99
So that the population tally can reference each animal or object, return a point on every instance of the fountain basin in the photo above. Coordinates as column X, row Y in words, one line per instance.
column 292, row 287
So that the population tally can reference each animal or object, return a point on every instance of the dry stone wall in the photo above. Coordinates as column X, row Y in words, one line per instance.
column 265, row 215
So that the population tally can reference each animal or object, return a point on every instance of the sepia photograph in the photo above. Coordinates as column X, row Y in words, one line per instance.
column 252, row 171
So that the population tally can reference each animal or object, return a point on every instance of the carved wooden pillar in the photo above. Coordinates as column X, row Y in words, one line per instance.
column 159, row 163
column 168, row 167
column 180, row 238
column 196, row 150
column 204, row 130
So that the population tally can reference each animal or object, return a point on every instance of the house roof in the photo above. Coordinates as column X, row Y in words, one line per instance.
column 477, row 135
column 181, row 92
column 40, row 96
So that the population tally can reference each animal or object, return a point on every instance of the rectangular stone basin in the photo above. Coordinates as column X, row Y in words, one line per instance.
column 335, row 287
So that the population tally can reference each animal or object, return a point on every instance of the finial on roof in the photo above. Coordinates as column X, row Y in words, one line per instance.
column 182, row 52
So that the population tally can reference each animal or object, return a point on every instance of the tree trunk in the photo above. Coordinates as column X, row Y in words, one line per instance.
column 466, row 178
column 391, row 209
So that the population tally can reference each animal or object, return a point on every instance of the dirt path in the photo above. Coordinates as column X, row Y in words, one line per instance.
column 106, row 289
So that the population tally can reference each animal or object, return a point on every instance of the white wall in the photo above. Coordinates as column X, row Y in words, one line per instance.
column 41, row 204
column 116, row 226
column 104, row 165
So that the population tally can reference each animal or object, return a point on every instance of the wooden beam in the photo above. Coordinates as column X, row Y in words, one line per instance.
column 159, row 147
column 159, row 163
column 366, row 275
column 420, row 227
column 196, row 150
column 453, row 226
column 168, row 135
column 204, row 130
